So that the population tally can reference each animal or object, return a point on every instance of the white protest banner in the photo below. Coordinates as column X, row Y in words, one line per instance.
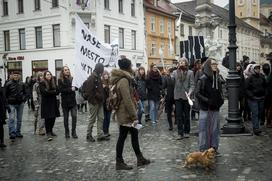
column 89, row 52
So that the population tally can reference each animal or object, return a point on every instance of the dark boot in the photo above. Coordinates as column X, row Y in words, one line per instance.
column 2, row 145
column 74, row 135
column 121, row 165
column 67, row 133
column 141, row 160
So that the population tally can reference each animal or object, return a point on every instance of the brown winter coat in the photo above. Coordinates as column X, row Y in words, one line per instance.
column 95, row 89
column 126, row 113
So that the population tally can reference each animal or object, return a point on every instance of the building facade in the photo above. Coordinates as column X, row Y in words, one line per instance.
column 123, row 20
column 248, row 11
column 38, row 35
column 159, row 32
column 248, row 37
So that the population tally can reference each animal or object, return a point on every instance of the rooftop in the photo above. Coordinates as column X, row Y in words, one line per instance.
column 223, row 13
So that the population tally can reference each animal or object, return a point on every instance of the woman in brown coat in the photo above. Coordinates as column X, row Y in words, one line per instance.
column 126, row 114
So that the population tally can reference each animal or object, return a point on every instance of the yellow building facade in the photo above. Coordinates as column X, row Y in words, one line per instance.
column 160, row 36
column 248, row 11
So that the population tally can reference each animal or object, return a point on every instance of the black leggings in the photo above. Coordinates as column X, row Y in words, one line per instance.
column 123, row 132
column 1, row 132
column 49, row 124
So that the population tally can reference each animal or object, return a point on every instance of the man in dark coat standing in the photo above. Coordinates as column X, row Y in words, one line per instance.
column 96, row 99
column 68, row 100
column 255, row 91
column 16, row 97
column 210, row 97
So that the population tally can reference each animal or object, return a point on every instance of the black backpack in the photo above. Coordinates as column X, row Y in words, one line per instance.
column 83, row 90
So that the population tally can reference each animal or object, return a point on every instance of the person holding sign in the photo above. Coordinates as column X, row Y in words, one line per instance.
column 95, row 98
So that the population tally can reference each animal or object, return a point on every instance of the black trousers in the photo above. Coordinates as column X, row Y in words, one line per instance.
column 1, row 132
column 183, row 116
column 169, row 109
column 73, row 111
column 123, row 132
column 49, row 124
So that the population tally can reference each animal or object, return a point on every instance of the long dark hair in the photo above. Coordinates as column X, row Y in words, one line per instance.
column 50, row 84
column 62, row 73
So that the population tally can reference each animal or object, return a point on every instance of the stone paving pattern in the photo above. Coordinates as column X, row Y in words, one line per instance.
column 33, row 158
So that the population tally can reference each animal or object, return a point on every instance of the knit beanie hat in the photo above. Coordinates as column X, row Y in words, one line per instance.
column 124, row 63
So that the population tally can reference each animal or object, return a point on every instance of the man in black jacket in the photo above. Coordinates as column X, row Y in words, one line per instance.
column 210, row 97
column 255, row 92
column 169, row 85
column 68, row 100
column 16, row 97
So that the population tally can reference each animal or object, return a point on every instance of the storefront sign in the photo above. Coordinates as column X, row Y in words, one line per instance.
column 16, row 58
column 90, row 51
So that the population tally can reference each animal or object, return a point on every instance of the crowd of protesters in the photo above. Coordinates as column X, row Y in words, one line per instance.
column 140, row 92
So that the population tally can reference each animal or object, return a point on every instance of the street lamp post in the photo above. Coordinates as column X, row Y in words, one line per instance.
column 234, row 123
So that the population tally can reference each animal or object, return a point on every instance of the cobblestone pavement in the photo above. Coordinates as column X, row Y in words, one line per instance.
column 33, row 158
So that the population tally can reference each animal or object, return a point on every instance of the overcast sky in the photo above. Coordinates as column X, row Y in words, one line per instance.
column 221, row 3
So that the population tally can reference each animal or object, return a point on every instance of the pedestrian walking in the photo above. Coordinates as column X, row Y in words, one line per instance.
column 16, row 97
column 154, row 86
column 210, row 96
column 126, row 114
column 37, row 99
column 68, row 101
column 241, row 88
column 49, row 104
column 169, row 85
column 96, row 100
column 184, row 83
column 268, row 97
column 107, row 108
column 142, row 92
column 255, row 91
column 3, row 108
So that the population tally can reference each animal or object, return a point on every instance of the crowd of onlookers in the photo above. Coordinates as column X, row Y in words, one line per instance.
column 139, row 92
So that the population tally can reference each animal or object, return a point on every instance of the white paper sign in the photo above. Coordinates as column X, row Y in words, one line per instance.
column 90, row 51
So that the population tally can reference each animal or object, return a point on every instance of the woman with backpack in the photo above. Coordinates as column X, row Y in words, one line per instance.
column 49, row 105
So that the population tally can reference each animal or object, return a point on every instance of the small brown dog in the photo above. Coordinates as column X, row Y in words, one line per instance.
column 205, row 159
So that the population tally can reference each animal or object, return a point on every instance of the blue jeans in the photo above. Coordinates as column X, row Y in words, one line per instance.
column 106, row 121
column 153, row 110
column 140, row 110
column 183, row 116
column 257, row 109
column 16, row 114
column 209, row 130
